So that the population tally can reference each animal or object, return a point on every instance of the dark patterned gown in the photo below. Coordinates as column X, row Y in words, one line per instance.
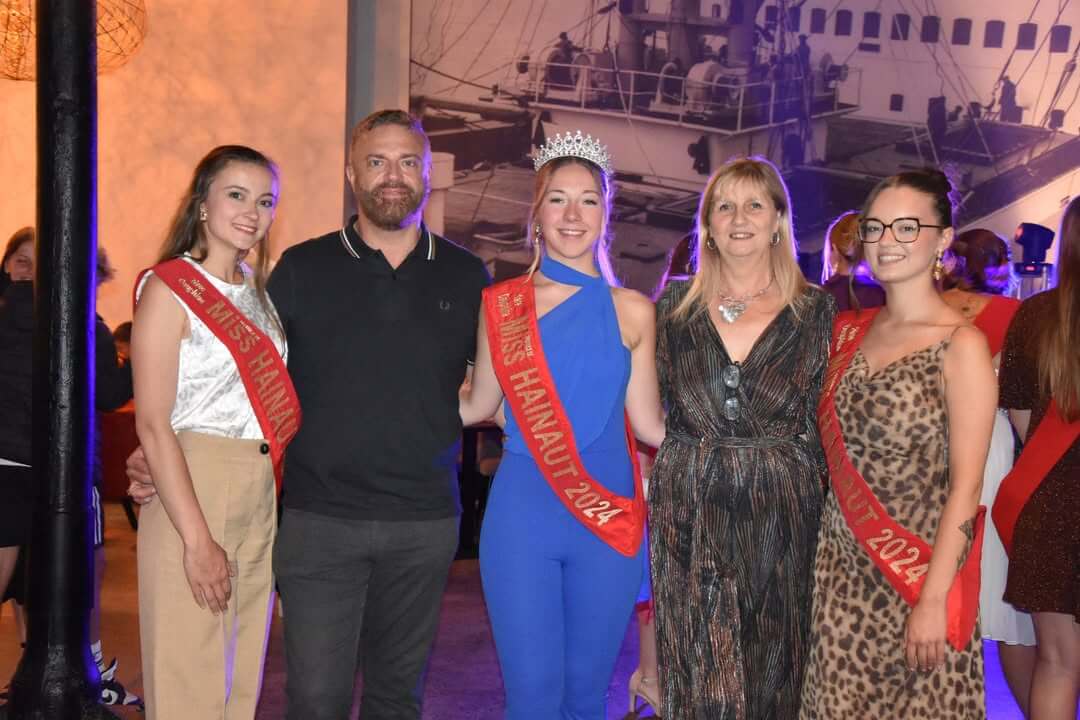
column 734, row 511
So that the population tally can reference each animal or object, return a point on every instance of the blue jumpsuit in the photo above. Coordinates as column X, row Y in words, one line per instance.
column 559, row 598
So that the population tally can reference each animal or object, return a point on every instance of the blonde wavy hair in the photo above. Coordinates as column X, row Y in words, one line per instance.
column 708, row 264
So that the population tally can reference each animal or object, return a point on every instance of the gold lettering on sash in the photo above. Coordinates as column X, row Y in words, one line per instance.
column 525, row 378
column 542, row 419
column 515, row 343
column 272, row 394
column 219, row 312
column 503, row 303
column 530, row 397
column 260, row 361
column 265, row 377
column 548, row 438
column 551, row 457
column 513, row 333
column 193, row 288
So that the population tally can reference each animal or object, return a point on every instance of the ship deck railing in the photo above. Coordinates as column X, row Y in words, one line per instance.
column 728, row 103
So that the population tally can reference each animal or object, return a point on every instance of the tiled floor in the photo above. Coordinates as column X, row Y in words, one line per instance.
column 463, row 678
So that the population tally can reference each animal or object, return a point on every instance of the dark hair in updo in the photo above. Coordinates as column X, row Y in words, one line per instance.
column 981, row 262
column 930, row 181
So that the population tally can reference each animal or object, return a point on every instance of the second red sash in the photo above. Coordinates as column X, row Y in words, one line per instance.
column 1052, row 439
column 901, row 556
column 263, row 372
column 522, row 369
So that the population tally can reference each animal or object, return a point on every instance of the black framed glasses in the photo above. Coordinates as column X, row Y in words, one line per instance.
column 730, row 376
column 905, row 230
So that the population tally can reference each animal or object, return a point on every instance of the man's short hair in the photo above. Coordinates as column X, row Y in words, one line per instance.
column 389, row 117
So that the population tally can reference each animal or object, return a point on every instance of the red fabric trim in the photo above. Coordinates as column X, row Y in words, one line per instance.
column 522, row 369
column 1052, row 439
column 994, row 320
column 263, row 372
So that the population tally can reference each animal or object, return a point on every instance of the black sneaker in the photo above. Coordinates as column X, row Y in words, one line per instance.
column 113, row 693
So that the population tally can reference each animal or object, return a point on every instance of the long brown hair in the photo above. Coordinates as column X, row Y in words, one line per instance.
column 707, row 263
column 601, row 251
column 1058, row 338
column 185, row 235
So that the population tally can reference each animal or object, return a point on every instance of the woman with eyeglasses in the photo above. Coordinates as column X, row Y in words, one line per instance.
column 905, row 417
column 735, row 494
column 1038, row 503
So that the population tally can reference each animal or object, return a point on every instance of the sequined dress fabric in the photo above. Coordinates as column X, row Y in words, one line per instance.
column 210, row 396
column 734, row 509
column 1044, row 569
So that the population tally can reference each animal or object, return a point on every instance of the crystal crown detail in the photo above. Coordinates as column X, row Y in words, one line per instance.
column 576, row 145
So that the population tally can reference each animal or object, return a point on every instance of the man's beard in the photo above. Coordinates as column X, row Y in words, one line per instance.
column 390, row 214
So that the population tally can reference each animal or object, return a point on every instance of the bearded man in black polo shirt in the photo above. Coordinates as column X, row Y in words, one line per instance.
column 381, row 318
column 381, row 321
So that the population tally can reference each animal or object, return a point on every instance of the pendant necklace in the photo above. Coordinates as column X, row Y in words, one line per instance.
column 732, row 307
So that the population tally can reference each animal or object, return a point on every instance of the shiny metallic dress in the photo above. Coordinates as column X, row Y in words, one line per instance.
column 734, row 504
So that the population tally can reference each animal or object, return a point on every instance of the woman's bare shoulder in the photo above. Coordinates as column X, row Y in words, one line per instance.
column 635, row 305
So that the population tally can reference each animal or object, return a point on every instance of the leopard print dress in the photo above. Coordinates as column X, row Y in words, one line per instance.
column 895, row 428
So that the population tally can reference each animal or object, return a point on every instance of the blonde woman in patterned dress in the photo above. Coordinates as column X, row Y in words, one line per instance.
column 735, row 495
column 914, row 407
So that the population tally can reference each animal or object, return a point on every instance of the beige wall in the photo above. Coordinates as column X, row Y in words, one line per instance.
column 269, row 74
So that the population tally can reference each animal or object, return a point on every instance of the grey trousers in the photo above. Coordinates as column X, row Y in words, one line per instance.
column 359, row 590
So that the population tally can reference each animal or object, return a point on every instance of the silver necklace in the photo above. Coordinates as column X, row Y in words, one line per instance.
column 732, row 307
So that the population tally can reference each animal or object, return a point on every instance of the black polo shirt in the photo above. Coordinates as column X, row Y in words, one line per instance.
column 377, row 356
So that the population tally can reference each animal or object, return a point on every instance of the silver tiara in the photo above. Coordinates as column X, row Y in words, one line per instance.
column 576, row 145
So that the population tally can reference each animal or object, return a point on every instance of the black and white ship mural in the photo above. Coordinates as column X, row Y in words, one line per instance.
column 837, row 93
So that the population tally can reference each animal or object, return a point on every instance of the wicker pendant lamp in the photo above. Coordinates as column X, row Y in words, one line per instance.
column 121, row 27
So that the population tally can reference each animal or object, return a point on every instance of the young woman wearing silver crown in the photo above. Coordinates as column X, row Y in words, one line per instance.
column 573, row 357
column 735, row 494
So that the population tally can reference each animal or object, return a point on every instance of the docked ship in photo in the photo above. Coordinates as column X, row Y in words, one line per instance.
column 836, row 93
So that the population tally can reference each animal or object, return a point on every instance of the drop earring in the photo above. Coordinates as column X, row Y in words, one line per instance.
column 939, row 267
column 775, row 238
column 202, row 214
column 709, row 242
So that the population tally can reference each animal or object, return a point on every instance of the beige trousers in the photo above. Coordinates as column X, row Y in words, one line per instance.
column 197, row 664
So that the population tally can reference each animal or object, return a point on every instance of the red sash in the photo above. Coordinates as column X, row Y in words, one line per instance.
column 520, row 365
column 1052, row 439
column 901, row 556
column 267, row 381
column 994, row 320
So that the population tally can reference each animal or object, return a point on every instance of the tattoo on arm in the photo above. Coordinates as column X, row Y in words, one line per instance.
column 968, row 528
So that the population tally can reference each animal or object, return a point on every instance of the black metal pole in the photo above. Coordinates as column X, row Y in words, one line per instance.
column 57, row 678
